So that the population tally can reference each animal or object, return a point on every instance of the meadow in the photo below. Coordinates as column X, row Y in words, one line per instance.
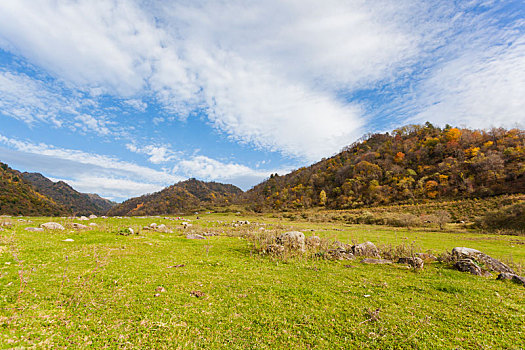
column 97, row 288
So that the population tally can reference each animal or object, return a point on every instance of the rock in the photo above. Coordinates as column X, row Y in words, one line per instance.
column 513, row 277
column 160, row 289
column 34, row 229
column 80, row 226
column 376, row 261
column 185, row 224
column 163, row 228
column 52, row 226
column 292, row 240
column 197, row 293
column 468, row 265
column 153, row 225
column 68, row 240
column 92, row 216
column 131, row 231
column 92, row 224
column 415, row 262
column 209, row 234
column 366, row 249
column 488, row 262
column 83, row 218
column 339, row 254
column 194, row 236
column 312, row 241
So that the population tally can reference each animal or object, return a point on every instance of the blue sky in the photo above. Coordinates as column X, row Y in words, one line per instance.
column 123, row 98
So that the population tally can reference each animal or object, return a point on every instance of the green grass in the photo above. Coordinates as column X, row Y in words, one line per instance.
column 99, row 291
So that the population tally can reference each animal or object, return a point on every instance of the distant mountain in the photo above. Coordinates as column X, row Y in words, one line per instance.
column 179, row 197
column 413, row 164
column 65, row 195
column 18, row 197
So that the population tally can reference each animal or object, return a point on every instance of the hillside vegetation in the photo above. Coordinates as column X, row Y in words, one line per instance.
column 67, row 196
column 179, row 197
column 413, row 164
column 17, row 197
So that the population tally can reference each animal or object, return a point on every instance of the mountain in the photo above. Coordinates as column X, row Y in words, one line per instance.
column 18, row 197
column 413, row 164
column 65, row 195
column 179, row 197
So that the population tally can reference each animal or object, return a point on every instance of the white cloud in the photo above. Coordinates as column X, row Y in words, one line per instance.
column 158, row 153
column 266, row 74
column 88, row 122
column 110, row 165
column 483, row 86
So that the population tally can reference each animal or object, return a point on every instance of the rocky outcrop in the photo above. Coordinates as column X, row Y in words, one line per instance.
column 513, row 277
column 292, row 240
column 415, row 262
column 52, row 226
column 481, row 260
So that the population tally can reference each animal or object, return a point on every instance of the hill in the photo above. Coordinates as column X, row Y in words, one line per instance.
column 179, row 197
column 67, row 196
column 18, row 197
column 413, row 164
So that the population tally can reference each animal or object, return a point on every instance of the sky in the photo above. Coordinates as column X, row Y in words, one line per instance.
column 124, row 97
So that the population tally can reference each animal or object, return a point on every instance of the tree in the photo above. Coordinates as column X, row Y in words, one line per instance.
column 322, row 198
column 442, row 218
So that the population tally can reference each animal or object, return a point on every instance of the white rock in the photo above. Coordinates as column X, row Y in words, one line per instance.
column 68, row 240
column 52, row 226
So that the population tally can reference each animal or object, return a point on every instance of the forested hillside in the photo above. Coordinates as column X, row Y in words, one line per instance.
column 412, row 164
column 78, row 203
column 181, row 196
column 17, row 197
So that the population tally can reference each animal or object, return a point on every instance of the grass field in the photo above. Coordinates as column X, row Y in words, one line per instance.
column 104, row 290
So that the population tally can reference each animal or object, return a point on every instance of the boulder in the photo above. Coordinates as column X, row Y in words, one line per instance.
column 194, row 236
column 92, row 216
column 163, row 228
column 468, row 265
column 376, row 261
column 52, row 226
column 513, row 277
column 415, row 262
column 366, row 249
column 312, row 241
column 83, row 218
column 34, row 229
column 339, row 254
column 78, row 226
column 153, row 225
column 292, row 240
column 488, row 262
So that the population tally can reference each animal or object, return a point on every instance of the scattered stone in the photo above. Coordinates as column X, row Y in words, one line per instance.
column 163, row 228
column 195, row 236
column 197, row 293
column 293, row 240
column 366, row 249
column 376, row 261
column 339, row 254
column 68, row 240
column 415, row 262
column 185, row 224
column 468, row 265
column 93, row 224
column 513, row 277
column 160, row 289
column 312, row 241
column 488, row 262
column 175, row 266
column 83, row 218
column 52, row 226
column 153, row 225
column 80, row 226
column 210, row 234
column 34, row 229
column 157, row 295
column 92, row 216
